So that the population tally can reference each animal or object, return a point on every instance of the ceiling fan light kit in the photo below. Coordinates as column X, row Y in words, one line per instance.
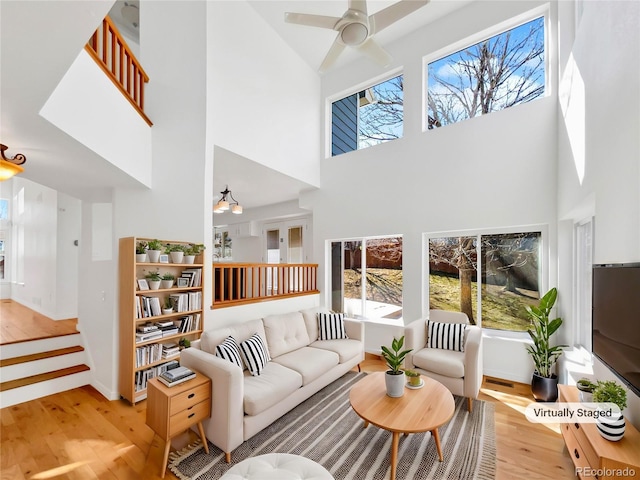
column 356, row 29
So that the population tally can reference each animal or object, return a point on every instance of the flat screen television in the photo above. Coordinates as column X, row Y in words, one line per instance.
column 616, row 320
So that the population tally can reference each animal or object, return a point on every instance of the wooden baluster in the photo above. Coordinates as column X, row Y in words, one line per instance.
column 104, row 41
column 121, row 51
column 113, row 51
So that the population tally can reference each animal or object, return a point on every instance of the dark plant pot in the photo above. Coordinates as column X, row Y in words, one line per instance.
column 544, row 389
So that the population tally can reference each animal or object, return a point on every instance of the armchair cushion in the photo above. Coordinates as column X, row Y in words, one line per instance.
column 230, row 351
column 255, row 354
column 448, row 363
column 447, row 336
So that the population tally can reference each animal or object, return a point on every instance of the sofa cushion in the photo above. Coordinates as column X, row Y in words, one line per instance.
column 210, row 339
column 345, row 348
column 331, row 326
column 274, row 385
column 443, row 362
column 448, row 336
column 285, row 333
column 309, row 362
column 255, row 354
column 310, row 316
column 230, row 351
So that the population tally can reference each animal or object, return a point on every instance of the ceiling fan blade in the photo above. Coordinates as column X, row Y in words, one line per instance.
column 376, row 52
column 382, row 19
column 360, row 5
column 321, row 21
column 333, row 54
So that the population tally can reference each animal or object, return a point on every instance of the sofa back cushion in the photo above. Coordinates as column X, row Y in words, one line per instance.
column 212, row 338
column 311, row 321
column 285, row 333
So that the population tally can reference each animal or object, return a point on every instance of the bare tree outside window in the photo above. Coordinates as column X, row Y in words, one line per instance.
column 381, row 119
column 500, row 72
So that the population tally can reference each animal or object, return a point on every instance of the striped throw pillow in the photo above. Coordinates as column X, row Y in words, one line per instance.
column 331, row 326
column 255, row 354
column 229, row 350
column 448, row 336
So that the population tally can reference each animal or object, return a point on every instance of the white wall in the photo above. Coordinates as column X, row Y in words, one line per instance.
column 490, row 172
column 599, row 158
column 69, row 214
column 265, row 96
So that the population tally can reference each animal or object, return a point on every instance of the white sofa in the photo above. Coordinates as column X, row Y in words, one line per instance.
column 300, row 366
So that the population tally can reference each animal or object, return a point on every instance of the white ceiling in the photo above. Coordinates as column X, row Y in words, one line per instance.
column 26, row 86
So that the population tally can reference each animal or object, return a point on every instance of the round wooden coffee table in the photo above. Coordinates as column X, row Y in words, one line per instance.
column 420, row 410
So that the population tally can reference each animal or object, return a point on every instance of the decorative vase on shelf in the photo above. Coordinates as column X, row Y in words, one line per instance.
column 154, row 255
column 176, row 257
column 611, row 428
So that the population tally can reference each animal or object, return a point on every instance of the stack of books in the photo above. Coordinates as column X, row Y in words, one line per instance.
column 176, row 376
column 170, row 350
column 167, row 328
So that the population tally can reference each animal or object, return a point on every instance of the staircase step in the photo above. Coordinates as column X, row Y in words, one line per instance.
column 40, row 356
column 22, row 382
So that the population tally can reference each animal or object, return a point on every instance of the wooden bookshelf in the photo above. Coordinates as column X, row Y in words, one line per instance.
column 132, row 314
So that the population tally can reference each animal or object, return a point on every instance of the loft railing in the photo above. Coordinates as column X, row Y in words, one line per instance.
column 110, row 51
column 243, row 283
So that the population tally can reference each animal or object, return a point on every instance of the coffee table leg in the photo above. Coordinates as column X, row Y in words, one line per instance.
column 436, row 437
column 365, row 424
column 394, row 454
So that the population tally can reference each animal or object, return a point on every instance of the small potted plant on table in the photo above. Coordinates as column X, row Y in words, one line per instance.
column 414, row 378
column 585, row 387
column 394, row 377
column 610, row 427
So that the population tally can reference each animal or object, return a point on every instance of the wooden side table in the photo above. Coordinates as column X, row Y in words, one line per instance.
column 172, row 410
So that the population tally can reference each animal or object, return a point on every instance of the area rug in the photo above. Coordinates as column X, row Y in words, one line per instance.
column 325, row 429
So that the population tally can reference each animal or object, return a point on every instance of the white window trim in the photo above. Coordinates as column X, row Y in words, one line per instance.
column 544, row 268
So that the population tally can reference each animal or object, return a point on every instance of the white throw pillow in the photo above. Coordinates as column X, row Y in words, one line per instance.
column 447, row 336
column 331, row 326
column 255, row 354
column 229, row 350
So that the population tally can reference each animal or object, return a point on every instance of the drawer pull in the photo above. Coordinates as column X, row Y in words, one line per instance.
column 575, row 452
column 194, row 414
column 191, row 395
column 577, row 425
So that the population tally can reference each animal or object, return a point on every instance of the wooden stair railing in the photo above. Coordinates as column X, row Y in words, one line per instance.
column 244, row 283
column 111, row 52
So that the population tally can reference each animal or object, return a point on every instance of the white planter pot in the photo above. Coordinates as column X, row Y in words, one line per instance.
column 166, row 283
column 154, row 255
column 611, row 428
column 189, row 259
column 176, row 257
column 141, row 257
column 154, row 284
column 394, row 384
column 167, row 311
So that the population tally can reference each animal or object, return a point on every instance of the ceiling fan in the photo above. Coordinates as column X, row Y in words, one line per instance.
column 356, row 29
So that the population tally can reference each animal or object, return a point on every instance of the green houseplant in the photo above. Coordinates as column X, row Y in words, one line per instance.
column 167, row 280
column 394, row 377
column 192, row 251
column 141, row 251
column 154, row 280
column 585, row 387
column 544, row 384
column 154, row 251
column 414, row 377
column 612, row 428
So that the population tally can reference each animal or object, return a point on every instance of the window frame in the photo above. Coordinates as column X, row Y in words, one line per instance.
column 543, row 266
column 485, row 34
column 370, row 83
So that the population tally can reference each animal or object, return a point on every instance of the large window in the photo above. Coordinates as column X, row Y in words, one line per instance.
column 369, row 117
column 490, row 277
column 379, row 262
column 502, row 71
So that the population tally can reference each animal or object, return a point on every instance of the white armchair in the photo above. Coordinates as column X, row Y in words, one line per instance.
column 459, row 371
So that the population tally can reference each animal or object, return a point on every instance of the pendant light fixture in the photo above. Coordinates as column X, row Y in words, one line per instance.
column 224, row 204
column 10, row 166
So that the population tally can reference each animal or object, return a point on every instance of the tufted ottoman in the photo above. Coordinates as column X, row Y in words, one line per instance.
column 277, row 466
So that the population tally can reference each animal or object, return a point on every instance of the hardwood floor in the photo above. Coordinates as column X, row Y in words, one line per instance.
column 19, row 324
column 80, row 435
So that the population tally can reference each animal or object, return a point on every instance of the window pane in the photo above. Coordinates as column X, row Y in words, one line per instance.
column 502, row 71
column 453, row 275
column 273, row 246
column 384, row 278
column 295, row 245
column 510, row 279
column 352, row 277
column 369, row 117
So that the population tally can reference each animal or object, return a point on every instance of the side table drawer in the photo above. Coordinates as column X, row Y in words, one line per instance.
column 575, row 450
column 189, row 398
column 183, row 420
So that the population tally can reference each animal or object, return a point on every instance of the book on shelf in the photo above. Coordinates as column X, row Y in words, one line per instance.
column 143, row 337
column 143, row 376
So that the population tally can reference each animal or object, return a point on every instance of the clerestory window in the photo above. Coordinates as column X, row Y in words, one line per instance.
column 497, row 73
column 369, row 117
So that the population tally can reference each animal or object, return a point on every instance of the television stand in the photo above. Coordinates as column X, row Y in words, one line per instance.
column 593, row 455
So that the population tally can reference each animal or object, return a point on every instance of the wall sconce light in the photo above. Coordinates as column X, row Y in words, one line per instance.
column 224, row 204
column 10, row 166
